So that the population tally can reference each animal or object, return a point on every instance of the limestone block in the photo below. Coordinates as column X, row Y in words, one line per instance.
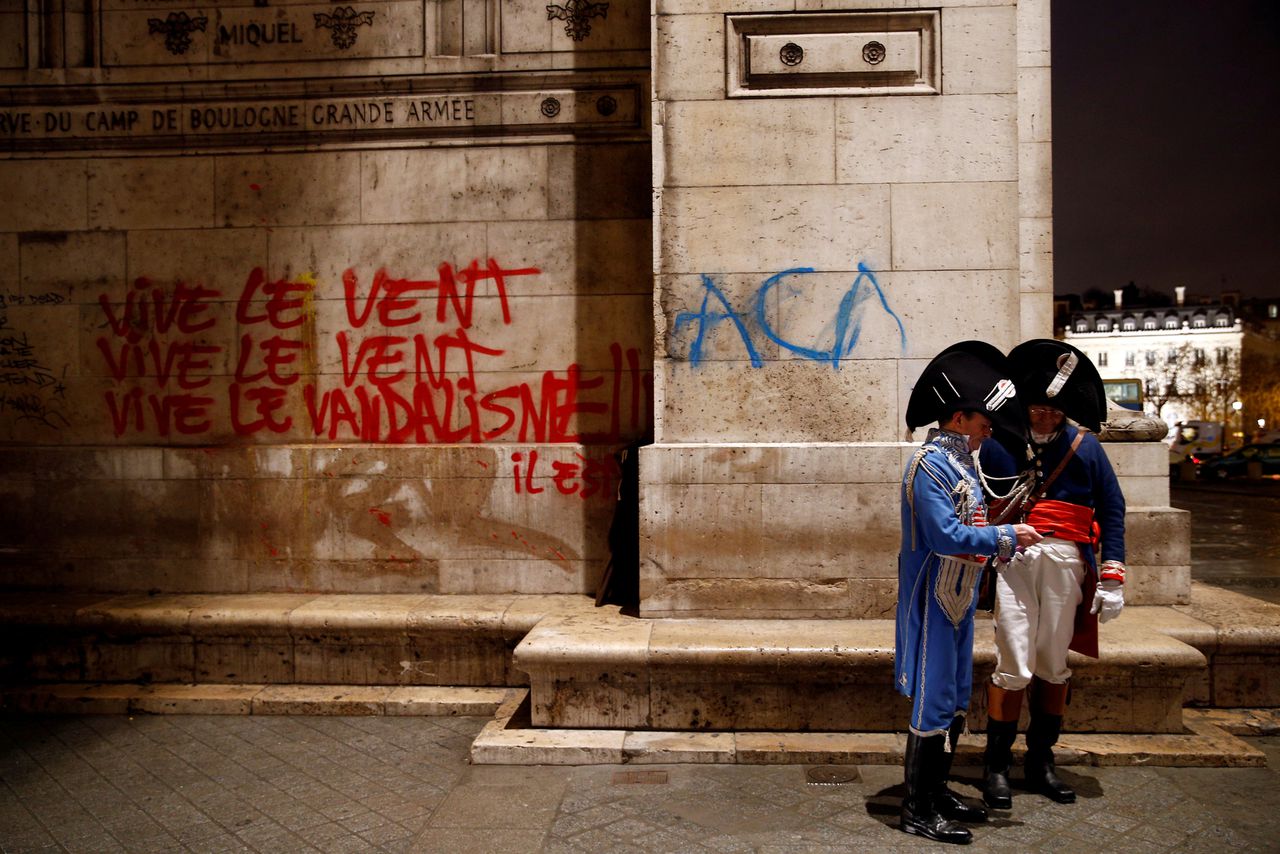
column 347, row 662
column 547, row 747
column 153, row 659
column 771, row 229
column 947, row 226
column 243, row 462
column 1035, row 179
column 746, row 693
column 527, row 611
column 1035, row 104
column 742, row 598
column 443, row 185
column 401, row 576
column 151, row 192
column 413, row 252
column 779, row 402
column 440, row 702
column 896, row 315
column 1035, row 255
column 646, row 748
column 903, row 140
column 688, row 63
column 1138, row 459
column 194, row 699
column 1158, row 535
column 456, row 641
column 320, row 700
column 979, row 52
column 288, row 189
column 694, row 7
column 604, row 181
column 526, row 29
column 233, row 658
column 837, row 463
column 1037, row 315
column 44, row 195
column 587, row 673
column 553, row 332
column 520, row 575
column 757, row 141
column 694, row 333
column 76, row 265
column 1155, row 584
column 574, row 258
column 1033, row 33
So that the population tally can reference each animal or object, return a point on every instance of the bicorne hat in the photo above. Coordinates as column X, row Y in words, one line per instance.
column 970, row 376
column 1053, row 373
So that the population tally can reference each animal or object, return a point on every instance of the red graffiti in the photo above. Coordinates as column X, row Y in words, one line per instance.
column 402, row 382
column 589, row 477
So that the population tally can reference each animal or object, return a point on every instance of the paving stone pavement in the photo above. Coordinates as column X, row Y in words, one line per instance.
column 355, row 784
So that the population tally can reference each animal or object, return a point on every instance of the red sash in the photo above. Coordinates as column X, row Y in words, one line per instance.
column 1067, row 521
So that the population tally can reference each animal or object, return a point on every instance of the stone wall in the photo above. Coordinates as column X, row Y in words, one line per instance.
column 299, row 301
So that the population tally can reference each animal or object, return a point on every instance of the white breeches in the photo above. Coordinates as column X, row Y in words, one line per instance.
column 1036, row 599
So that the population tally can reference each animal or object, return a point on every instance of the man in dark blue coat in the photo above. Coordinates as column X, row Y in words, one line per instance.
column 1050, row 597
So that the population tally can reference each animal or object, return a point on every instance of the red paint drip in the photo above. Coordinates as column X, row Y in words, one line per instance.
column 255, row 187
column 383, row 516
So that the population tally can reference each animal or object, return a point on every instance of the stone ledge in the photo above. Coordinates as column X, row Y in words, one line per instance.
column 231, row 699
column 614, row 672
column 510, row 740
column 277, row 638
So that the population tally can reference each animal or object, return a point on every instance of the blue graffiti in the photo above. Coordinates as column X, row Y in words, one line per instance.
column 865, row 291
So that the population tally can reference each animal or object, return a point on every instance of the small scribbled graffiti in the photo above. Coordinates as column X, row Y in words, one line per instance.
column 865, row 294
column 30, row 391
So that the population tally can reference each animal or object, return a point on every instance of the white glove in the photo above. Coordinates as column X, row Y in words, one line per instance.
column 1108, row 601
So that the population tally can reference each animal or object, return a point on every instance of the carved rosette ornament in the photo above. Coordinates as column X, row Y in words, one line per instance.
column 342, row 23
column 550, row 107
column 177, row 30
column 791, row 54
column 576, row 14
column 873, row 53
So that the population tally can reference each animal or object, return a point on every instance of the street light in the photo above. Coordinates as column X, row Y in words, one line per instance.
column 1237, row 406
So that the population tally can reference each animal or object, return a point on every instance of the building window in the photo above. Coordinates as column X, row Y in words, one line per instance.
column 1171, row 356
column 1222, row 320
column 1104, row 325
column 1198, row 322
column 1199, row 389
column 1151, row 388
column 1129, row 359
column 1149, row 323
column 1151, row 357
column 1129, row 324
column 1170, row 390
column 1082, row 326
column 1102, row 360
column 1223, row 355
column 1273, row 311
column 1199, row 357
column 1171, row 322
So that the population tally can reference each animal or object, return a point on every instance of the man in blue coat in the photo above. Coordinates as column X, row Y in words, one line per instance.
column 945, row 540
column 1050, row 598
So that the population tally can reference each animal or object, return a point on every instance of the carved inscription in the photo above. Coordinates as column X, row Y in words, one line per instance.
column 178, row 123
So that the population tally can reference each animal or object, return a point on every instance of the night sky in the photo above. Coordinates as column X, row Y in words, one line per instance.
column 1166, row 145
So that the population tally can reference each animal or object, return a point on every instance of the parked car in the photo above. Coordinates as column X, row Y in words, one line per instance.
column 1236, row 463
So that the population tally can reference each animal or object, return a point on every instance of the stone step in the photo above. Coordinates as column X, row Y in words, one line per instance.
column 238, row 699
column 609, row 671
column 270, row 638
column 1208, row 739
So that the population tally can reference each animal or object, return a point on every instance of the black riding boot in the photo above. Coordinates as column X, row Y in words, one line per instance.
column 922, row 768
column 946, row 801
column 1042, row 777
column 996, row 763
